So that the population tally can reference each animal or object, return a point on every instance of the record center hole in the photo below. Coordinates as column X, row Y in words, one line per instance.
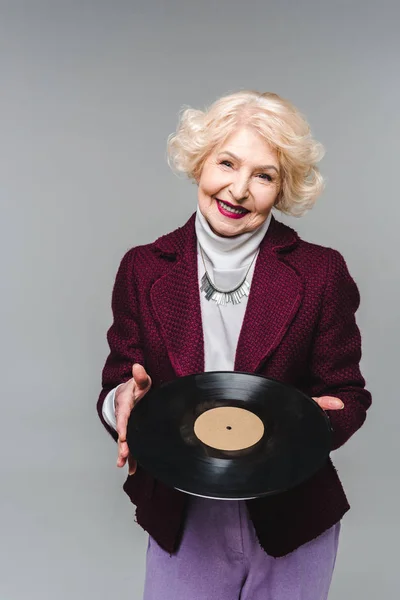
column 229, row 427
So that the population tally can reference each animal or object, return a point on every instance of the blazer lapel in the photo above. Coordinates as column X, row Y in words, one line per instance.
column 275, row 296
column 175, row 299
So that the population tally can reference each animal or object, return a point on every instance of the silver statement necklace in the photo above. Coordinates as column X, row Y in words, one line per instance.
column 223, row 297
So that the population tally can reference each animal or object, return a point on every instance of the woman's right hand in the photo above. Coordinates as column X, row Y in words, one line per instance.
column 126, row 397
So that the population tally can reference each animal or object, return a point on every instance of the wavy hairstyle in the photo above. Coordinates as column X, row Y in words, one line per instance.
column 277, row 120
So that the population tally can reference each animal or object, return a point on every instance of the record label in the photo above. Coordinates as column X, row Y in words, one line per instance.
column 229, row 428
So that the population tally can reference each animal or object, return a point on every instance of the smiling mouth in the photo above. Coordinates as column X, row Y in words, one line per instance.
column 236, row 210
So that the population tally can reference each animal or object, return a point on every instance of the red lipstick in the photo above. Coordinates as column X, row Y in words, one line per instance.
column 228, row 213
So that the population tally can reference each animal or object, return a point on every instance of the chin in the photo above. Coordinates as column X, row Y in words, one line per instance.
column 226, row 230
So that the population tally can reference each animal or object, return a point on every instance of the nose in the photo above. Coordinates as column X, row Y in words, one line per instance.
column 239, row 188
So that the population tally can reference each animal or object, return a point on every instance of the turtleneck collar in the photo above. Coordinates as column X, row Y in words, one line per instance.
column 228, row 253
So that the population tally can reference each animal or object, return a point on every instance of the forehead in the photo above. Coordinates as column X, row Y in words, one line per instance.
column 249, row 146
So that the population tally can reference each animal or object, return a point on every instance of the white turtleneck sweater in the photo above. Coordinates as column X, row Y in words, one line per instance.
column 227, row 260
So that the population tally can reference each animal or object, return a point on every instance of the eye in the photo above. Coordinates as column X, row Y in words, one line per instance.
column 265, row 176
column 226, row 163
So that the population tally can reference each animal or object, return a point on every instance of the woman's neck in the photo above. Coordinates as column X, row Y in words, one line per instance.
column 228, row 252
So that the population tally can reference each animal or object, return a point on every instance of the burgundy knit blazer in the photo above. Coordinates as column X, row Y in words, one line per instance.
column 299, row 328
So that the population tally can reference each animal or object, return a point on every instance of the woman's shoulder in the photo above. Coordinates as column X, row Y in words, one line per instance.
column 292, row 239
column 166, row 246
column 312, row 258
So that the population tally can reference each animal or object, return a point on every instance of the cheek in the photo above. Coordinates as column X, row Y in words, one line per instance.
column 208, row 188
column 211, row 183
column 264, row 199
column 205, row 191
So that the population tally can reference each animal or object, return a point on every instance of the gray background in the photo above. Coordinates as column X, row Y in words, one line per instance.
column 89, row 93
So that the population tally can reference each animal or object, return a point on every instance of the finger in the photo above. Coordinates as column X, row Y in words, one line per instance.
column 132, row 465
column 123, row 450
column 140, row 376
column 122, row 417
column 329, row 403
column 120, row 462
column 123, row 453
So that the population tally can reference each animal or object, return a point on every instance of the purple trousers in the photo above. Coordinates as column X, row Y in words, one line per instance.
column 220, row 559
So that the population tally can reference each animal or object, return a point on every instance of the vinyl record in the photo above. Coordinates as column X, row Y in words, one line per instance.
column 229, row 435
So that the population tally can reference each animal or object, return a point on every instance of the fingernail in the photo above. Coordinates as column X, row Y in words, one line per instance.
column 336, row 404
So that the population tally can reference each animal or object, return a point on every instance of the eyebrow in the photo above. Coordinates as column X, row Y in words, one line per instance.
column 263, row 167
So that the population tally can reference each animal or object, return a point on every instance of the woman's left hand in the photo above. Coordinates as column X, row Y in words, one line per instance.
column 329, row 403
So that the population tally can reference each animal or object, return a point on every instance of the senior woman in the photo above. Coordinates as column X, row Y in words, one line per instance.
column 292, row 318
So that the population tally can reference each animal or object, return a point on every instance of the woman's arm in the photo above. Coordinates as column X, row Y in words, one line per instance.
column 336, row 352
column 123, row 337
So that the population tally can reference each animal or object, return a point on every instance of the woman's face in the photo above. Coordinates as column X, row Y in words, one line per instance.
column 239, row 183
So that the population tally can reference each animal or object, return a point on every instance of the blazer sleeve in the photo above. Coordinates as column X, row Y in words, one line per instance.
column 336, row 352
column 124, row 337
